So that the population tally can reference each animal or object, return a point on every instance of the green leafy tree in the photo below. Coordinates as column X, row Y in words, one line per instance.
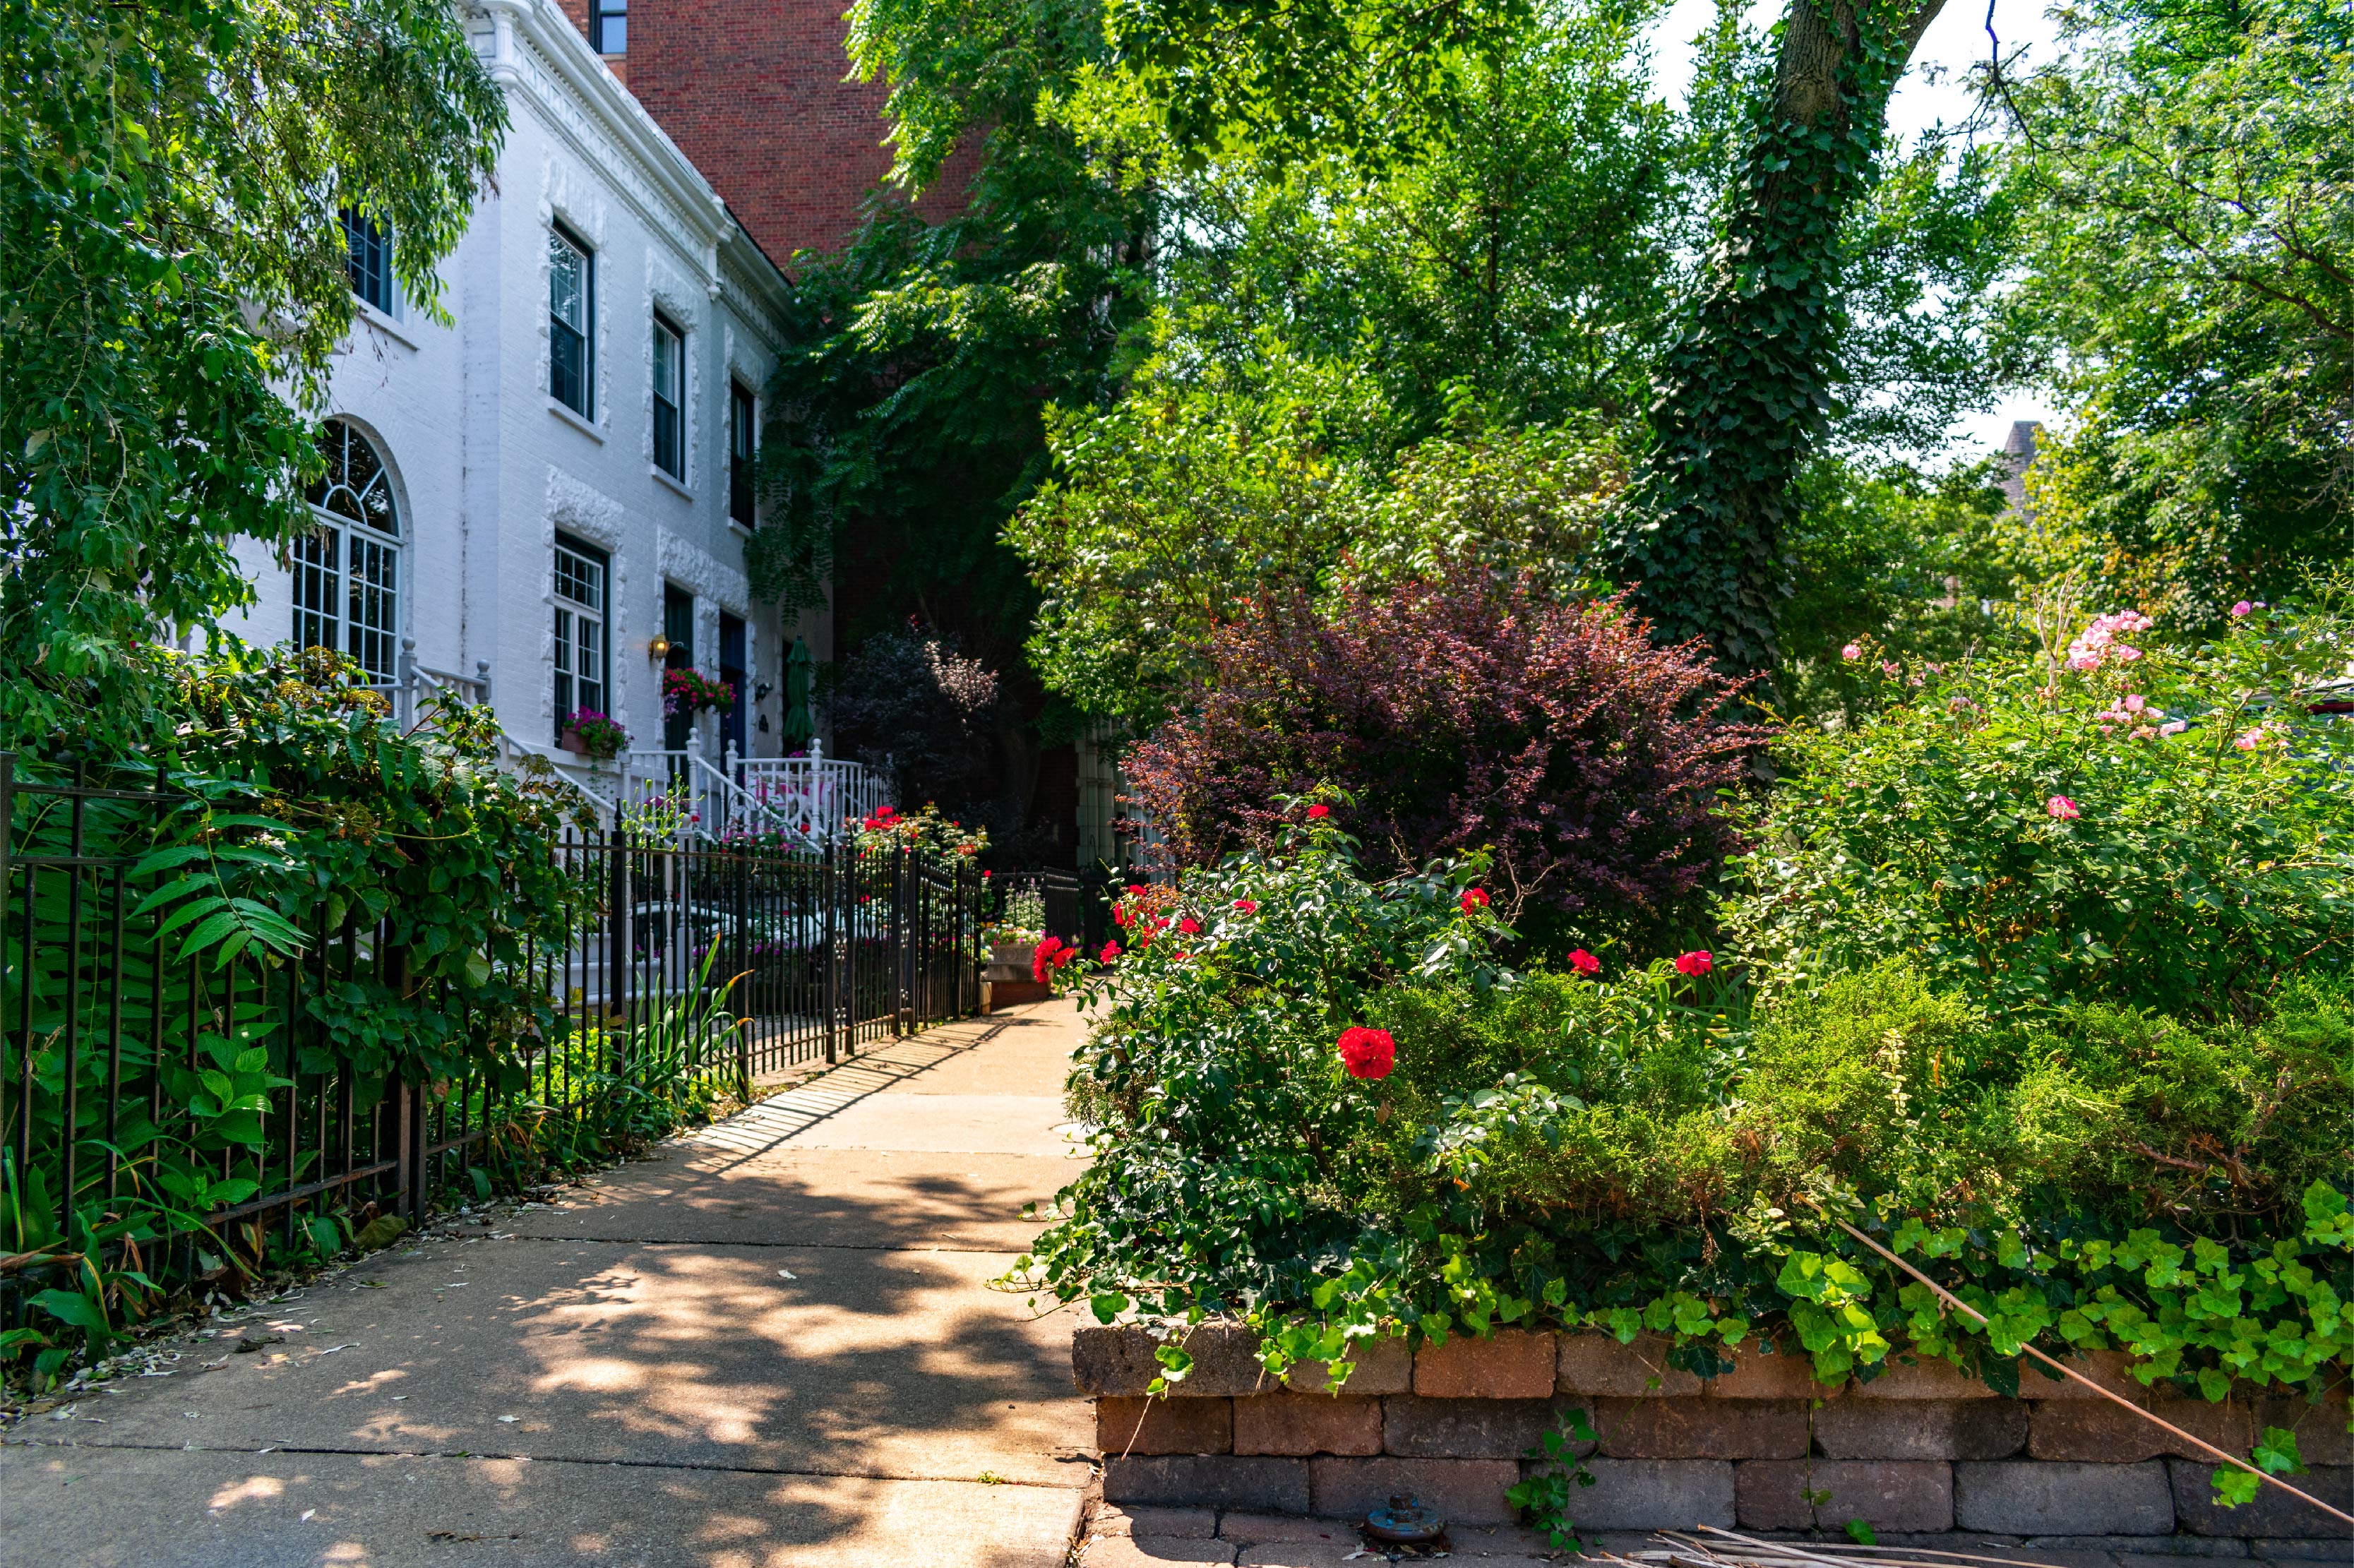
column 173, row 278
column 1746, row 388
column 2188, row 181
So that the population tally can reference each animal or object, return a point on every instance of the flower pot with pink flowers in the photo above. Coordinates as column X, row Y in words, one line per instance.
column 588, row 733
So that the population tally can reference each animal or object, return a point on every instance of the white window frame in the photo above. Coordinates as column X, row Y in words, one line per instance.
column 577, row 562
column 562, row 243
column 669, row 403
column 346, row 572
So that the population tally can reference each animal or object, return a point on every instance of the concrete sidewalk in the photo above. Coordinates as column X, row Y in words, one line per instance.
column 775, row 1344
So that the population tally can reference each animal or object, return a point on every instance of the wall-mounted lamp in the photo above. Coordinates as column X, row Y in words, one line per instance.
column 760, row 690
column 658, row 649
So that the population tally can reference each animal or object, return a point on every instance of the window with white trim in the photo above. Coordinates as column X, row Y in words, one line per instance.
column 670, row 399
column 368, row 260
column 571, row 310
column 347, row 569
column 580, row 643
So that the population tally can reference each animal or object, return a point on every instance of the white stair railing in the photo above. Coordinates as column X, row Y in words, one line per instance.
column 805, row 800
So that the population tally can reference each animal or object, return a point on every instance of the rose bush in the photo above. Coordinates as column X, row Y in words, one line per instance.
column 2092, row 824
column 1334, row 1114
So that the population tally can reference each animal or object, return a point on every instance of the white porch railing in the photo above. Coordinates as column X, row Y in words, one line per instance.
column 810, row 799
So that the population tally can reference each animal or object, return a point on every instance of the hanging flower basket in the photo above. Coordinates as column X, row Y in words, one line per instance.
column 689, row 691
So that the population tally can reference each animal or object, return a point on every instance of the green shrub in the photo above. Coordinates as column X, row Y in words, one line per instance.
column 2173, row 830
column 1642, row 1148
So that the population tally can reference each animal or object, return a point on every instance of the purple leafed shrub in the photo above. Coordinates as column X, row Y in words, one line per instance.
column 1466, row 713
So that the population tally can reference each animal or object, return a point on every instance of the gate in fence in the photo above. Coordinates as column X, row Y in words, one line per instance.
column 166, row 1115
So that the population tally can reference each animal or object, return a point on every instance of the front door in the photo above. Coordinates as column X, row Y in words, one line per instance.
column 731, row 669
column 678, row 626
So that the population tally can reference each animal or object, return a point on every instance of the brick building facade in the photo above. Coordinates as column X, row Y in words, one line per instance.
column 756, row 93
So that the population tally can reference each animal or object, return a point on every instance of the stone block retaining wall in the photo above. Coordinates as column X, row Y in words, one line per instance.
column 1919, row 1449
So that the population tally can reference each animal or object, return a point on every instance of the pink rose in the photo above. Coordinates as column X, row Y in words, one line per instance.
column 1695, row 964
column 1851, row 652
column 2242, row 611
column 2061, row 809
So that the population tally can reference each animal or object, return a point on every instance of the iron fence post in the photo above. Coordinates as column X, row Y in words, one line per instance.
column 617, row 957
column 829, row 983
column 743, row 859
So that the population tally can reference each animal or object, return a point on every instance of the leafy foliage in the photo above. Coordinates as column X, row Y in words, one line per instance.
column 1180, row 507
column 2189, row 199
column 2204, row 863
column 1746, row 388
column 914, row 709
column 1645, row 1150
column 322, row 894
column 1458, row 715
column 172, row 268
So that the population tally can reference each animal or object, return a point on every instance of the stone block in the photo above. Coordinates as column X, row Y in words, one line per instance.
column 1756, row 1375
column 2322, row 1437
column 1472, row 1428
column 1164, row 1425
column 1307, row 1423
column 1119, row 1359
column 1471, row 1490
column 2107, row 1368
column 2099, row 1432
column 1376, row 1367
column 1207, row 1480
column 2281, row 1549
column 1654, row 1494
column 1922, row 1428
column 2273, row 1512
column 1517, row 1364
column 1597, row 1365
column 1920, row 1377
column 1264, row 1529
column 1886, row 1494
column 2031, row 1497
column 1186, row 1524
column 1701, row 1428
column 1152, row 1550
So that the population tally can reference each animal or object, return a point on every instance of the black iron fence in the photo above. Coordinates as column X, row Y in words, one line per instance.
column 1077, row 904
column 171, row 1113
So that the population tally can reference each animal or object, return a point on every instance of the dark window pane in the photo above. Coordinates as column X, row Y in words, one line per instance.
column 369, row 261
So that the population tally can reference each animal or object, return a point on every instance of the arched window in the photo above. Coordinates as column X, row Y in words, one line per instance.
column 348, row 572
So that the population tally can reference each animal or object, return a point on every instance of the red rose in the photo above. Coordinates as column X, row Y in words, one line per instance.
column 1190, row 927
column 1247, row 906
column 1694, row 963
column 1474, row 898
column 1110, row 951
column 1583, row 962
column 1317, row 812
column 1368, row 1053
column 1049, row 954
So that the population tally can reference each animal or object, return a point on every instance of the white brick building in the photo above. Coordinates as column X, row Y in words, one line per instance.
column 563, row 468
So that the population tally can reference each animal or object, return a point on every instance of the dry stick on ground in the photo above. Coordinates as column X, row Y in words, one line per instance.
column 1883, row 1556
column 1948, row 1298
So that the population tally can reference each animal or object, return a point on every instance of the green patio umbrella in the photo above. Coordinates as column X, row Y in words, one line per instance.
column 800, row 724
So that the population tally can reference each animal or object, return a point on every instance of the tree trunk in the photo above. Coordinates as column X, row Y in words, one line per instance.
column 1745, row 391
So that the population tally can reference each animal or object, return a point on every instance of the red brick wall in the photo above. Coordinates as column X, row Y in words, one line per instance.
column 753, row 92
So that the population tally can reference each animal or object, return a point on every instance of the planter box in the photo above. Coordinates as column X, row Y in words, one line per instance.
column 1919, row 1449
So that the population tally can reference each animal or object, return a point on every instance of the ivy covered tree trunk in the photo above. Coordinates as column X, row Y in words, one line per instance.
column 1744, row 389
